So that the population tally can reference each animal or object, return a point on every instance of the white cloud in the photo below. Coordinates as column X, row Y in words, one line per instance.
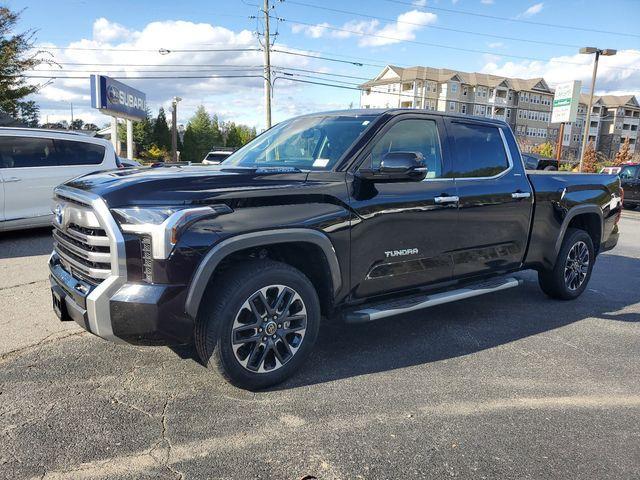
column 620, row 73
column 371, row 32
column 106, row 31
column 114, row 42
column 532, row 10
column 420, row 3
column 495, row 45
column 486, row 2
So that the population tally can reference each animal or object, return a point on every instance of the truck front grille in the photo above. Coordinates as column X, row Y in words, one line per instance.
column 83, row 246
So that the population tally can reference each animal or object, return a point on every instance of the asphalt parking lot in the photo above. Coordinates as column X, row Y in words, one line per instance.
column 510, row 385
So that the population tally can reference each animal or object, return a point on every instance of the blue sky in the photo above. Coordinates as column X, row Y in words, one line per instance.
column 404, row 32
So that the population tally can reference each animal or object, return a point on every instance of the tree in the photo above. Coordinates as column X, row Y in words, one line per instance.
column 143, row 133
column 624, row 155
column 92, row 127
column 237, row 136
column 200, row 136
column 16, row 57
column 590, row 159
column 161, row 136
column 77, row 124
column 544, row 149
column 28, row 113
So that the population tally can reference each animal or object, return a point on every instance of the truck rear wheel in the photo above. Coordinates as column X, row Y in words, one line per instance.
column 259, row 325
column 572, row 271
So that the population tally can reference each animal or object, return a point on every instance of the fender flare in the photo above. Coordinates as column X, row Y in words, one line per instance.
column 212, row 259
column 574, row 212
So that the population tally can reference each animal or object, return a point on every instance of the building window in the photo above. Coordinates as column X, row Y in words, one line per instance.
column 463, row 108
column 454, row 87
column 508, row 113
column 465, row 90
column 452, row 106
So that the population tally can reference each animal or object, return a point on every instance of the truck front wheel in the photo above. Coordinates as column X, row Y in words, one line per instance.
column 572, row 271
column 259, row 324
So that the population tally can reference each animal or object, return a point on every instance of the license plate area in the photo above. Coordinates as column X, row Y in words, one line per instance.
column 59, row 304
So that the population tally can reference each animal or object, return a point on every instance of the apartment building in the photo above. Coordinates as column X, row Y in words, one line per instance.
column 620, row 120
column 524, row 103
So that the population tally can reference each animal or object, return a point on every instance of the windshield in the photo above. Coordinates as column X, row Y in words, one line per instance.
column 307, row 143
column 628, row 172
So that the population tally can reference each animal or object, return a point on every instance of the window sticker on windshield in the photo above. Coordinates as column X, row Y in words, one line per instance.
column 365, row 123
column 321, row 162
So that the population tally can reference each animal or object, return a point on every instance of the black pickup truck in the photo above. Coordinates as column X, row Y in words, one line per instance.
column 354, row 215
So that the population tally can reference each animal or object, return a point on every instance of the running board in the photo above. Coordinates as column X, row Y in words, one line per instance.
column 418, row 302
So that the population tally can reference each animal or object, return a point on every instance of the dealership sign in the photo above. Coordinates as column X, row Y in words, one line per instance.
column 565, row 102
column 117, row 99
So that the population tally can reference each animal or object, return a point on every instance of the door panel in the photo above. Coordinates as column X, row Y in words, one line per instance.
column 400, row 237
column 1, row 198
column 495, row 200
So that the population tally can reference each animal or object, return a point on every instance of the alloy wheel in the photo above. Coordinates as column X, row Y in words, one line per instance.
column 576, row 266
column 269, row 328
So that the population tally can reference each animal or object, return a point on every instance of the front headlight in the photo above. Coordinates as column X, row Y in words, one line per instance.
column 163, row 225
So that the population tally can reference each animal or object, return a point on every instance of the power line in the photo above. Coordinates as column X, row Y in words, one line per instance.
column 165, row 77
column 516, row 20
column 162, row 51
column 449, row 47
column 435, row 27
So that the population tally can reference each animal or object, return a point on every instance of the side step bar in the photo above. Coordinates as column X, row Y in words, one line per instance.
column 418, row 302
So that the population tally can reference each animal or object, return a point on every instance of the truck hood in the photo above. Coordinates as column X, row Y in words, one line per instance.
column 185, row 185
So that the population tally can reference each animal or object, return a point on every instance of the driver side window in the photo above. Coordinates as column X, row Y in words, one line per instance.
column 412, row 135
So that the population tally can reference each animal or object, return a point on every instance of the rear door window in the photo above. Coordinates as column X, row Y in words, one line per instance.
column 479, row 151
column 78, row 153
column 21, row 152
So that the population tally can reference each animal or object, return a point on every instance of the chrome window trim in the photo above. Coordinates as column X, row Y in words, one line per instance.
column 98, row 308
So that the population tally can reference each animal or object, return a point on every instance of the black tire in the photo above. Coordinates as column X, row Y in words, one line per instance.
column 555, row 282
column 226, row 302
column 550, row 168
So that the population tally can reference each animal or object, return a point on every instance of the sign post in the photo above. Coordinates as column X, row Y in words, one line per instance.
column 118, row 100
column 565, row 109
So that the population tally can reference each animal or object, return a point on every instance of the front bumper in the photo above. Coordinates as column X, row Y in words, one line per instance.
column 141, row 314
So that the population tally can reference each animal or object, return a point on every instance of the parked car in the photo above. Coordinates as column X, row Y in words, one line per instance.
column 34, row 161
column 611, row 170
column 630, row 178
column 356, row 215
column 533, row 161
column 216, row 157
column 128, row 163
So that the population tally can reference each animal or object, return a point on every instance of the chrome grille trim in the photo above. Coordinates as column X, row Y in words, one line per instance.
column 92, row 217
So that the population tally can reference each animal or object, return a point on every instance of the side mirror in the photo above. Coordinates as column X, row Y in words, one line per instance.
column 397, row 167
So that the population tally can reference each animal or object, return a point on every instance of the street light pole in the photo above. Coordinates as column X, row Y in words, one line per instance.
column 174, row 128
column 587, row 125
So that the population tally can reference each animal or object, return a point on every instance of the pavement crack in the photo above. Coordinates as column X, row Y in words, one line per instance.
column 21, row 285
column 44, row 341
column 166, row 441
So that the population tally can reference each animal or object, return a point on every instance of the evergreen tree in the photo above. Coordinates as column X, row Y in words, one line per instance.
column 200, row 136
column 143, row 133
column 28, row 113
column 161, row 135
column 16, row 57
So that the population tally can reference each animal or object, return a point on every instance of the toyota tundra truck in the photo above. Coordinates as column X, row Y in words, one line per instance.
column 347, row 216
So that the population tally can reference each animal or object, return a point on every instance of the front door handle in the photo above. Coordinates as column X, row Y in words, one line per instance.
column 11, row 180
column 452, row 199
column 520, row 195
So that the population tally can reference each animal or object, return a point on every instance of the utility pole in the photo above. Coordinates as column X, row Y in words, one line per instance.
column 71, row 125
column 174, row 128
column 587, row 125
column 267, row 66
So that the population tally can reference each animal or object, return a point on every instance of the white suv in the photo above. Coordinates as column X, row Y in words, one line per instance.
column 33, row 162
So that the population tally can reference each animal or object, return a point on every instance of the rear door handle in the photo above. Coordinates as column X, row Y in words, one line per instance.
column 11, row 180
column 452, row 199
column 520, row 195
